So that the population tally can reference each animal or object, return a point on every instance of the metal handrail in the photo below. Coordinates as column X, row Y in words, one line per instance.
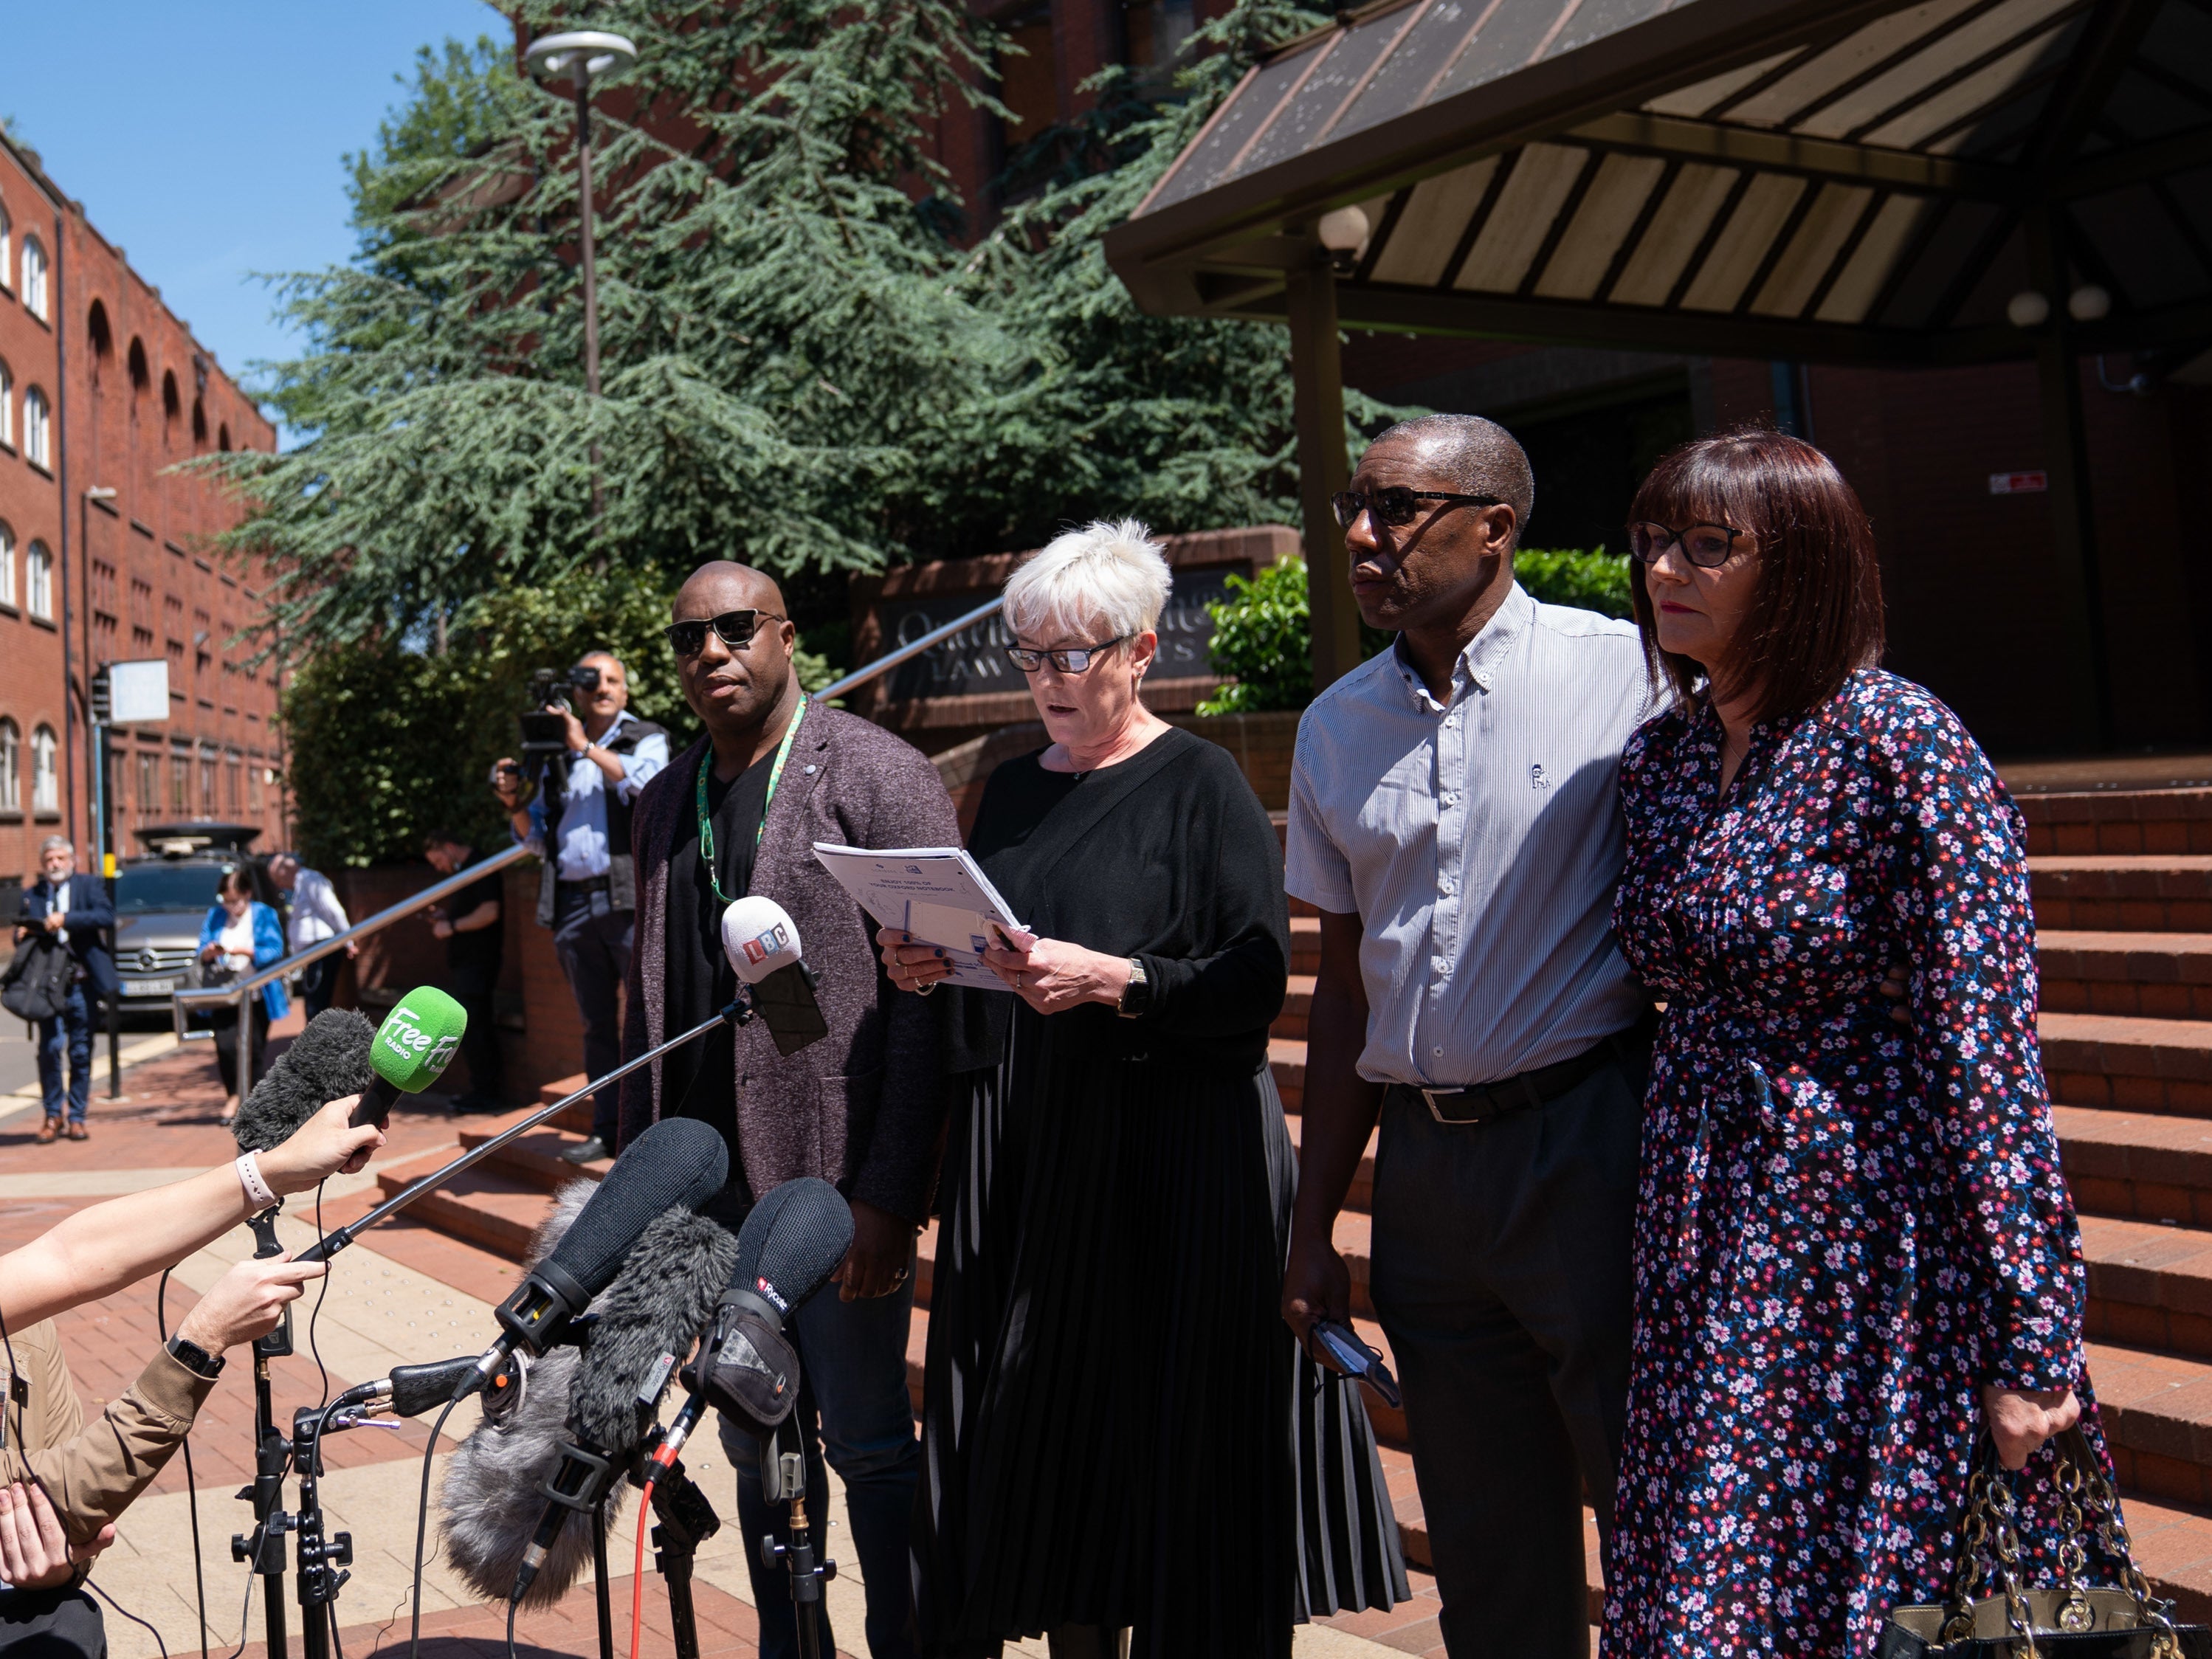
column 860, row 676
column 182, row 1003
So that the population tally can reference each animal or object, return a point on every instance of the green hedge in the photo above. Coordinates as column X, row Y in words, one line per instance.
column 1263, row 633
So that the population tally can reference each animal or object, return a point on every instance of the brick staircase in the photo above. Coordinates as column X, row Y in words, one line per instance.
column 2122, row 887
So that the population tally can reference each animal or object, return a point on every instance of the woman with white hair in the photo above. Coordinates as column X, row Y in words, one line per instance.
column 1121, row 1437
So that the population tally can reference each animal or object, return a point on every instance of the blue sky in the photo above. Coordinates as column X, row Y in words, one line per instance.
column 206, row 136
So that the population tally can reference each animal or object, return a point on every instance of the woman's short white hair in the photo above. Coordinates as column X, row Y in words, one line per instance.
column 1107, row 577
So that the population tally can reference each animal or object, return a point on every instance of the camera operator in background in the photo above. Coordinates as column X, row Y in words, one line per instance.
column 63, row 1484
column 587, row 887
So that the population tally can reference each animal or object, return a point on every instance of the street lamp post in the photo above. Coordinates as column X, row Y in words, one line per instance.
column 582, row 55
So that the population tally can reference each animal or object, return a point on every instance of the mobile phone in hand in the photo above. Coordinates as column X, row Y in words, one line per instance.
column 1340, row 1349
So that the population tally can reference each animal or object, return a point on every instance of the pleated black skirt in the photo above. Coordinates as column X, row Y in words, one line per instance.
column 1118, row 1428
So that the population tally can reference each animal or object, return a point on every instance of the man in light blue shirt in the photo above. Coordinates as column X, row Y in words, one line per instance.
column 1455, row 817
column 587, row 888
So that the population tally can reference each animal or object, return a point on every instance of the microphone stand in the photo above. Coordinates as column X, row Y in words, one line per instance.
column 739, row 1011
column 686, row 1520
column 783, row 1480
column 272, row 1452
column 264, row 1547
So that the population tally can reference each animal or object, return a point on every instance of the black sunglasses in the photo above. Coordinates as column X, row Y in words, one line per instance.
column 735, row 628
column 1075, row 660
column 1705, row 545
column 1397, row 505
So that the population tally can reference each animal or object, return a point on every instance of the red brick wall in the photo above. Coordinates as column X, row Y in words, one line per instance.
column 32, row 511
column 132, row 574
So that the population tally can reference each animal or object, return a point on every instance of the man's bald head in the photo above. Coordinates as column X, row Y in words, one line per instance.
column 1472, row 457
column 722, row 585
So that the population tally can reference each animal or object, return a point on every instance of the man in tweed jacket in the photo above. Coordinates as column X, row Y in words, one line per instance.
column 861, row 1108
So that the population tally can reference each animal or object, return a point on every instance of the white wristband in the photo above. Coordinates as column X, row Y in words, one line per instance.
column 258, row 1193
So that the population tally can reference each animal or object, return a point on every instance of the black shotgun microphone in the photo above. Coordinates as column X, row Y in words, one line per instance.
column 790, row 1245
column 677, row 1161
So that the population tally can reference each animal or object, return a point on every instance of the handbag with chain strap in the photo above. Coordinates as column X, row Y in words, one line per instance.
column 2066, row 1621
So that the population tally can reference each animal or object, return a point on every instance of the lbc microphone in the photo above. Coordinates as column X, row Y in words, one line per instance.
column 762, row 941
column 413, row 1047
column 787, row 1250
column 678, row 1161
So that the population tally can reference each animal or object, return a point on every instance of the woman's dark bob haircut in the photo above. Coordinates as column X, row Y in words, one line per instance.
column 1816, row 616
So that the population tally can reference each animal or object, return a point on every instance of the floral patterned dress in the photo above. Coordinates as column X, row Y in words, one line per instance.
column 1845, row 1226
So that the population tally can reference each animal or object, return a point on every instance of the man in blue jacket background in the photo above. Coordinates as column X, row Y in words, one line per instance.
column 77, row 910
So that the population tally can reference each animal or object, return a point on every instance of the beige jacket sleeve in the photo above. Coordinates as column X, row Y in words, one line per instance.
column 91, row 1475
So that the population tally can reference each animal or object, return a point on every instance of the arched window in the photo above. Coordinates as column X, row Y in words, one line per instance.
column 37, row 428
column 140, row 380
column 46, row 780
column 199, row 424
column 35, row 277
column 7, row 245
column 7, row 407
column 12, row 767
column 222, row 437
column 38, row 580
column 97, row 334
column 7, row 566
column 169, row 403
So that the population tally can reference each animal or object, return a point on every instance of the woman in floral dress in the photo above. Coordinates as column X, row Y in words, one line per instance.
column 1854, row 1248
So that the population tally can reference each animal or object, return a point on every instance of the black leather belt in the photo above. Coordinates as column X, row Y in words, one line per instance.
column 1525, row 1090
column 594, row 884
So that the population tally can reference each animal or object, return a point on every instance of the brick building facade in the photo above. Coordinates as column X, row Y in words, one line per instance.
column 1976, row 597
column 104, row 552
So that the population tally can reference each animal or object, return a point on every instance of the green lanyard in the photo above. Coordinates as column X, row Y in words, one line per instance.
column 775, row 777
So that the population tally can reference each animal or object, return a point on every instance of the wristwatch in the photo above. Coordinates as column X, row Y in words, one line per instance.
column 195, row 1358
column 1137, row 994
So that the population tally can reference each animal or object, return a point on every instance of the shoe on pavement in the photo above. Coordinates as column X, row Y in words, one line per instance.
column 78, row 1132
column 586, row 1151
column 49, row 1132
column 475, row 1104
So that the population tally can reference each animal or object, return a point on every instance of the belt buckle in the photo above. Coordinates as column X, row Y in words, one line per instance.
column 1437, row 1112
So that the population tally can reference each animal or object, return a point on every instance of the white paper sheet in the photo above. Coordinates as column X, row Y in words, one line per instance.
column 938, row 894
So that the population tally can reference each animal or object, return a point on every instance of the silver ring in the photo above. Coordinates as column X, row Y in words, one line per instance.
column 924, row 988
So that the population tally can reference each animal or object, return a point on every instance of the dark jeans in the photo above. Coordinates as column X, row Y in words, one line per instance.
column 1501, row 1273
column 70, row 1032
column 852, row 1356
column 318, row 982
column 592, row 940
column 472, row 988
column 225, row 1021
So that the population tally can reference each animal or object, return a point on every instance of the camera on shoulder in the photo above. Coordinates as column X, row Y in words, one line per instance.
column 544, row 733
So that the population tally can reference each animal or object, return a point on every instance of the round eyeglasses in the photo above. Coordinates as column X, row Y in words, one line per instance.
column 1705, row 545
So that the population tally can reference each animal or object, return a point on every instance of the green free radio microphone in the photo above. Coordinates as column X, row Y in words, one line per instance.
column 410, row 1050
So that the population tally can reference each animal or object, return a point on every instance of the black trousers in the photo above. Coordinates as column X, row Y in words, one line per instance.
column 55, row 1623
column 225, row 1021
column 1501, row 1272
column 471, row 987
column 318, row 982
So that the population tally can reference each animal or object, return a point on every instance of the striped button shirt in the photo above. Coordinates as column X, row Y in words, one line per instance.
column 1480, row 842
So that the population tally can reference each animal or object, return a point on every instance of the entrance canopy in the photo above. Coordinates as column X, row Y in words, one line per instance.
column 1809, row 179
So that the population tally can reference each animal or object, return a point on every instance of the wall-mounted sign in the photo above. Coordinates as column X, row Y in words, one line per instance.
column 2019, row 483
column 139, row 690
column 966, row 680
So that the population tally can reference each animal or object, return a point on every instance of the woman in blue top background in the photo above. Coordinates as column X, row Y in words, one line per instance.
column 240, row 935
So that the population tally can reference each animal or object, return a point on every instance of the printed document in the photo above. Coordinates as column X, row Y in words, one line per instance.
column 938, row 894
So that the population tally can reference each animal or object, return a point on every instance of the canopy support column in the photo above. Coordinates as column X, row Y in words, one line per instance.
column 2066, row 462
column 1317, row 382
